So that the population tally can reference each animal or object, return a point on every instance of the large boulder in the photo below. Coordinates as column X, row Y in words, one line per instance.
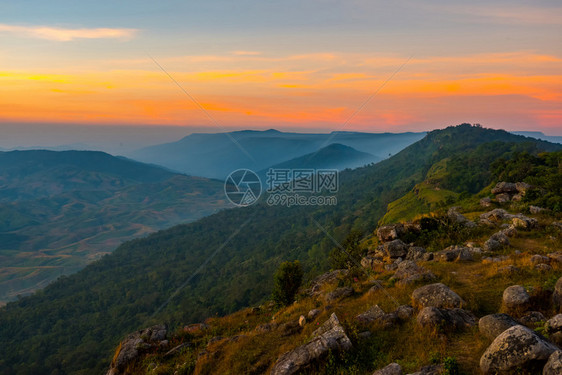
column 516, row 299
column 134, row 345
column 392, row 232
column 436, row 295
column 446, row 319
column 554, row 364
column 516, row 348
column 493, row 325
column 395, row 249
column 392, row 369
column 330, row 337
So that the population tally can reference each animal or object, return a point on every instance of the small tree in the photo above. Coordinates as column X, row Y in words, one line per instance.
column 286, row 282
column 340, row 258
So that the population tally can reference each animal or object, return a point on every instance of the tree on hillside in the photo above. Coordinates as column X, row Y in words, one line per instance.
column 349, row 254
column 287, row 281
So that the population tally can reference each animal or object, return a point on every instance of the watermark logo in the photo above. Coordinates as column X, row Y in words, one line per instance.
column 302, row 187
column 243, row 187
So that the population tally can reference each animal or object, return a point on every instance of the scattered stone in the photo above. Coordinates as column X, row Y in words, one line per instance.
column 266, row 327
column 416, row 253
column 327, row 278
column 516, row 299
column 312, row 314
column 509, row 270
column 492, row 245
column 447, row 319
column 404, row 312
column 364, row 334
column 505, row 188
column 496, row 215
column 302, row 321
column 503, row 198
column 493, row 325
column 487, row 260
column 510, row 231
column 290, row 328
column 392, row 232
column 543, row 267
column 408, row 272
column 501, row 238
column 431, row 370
column 485, row 202
column 557, row 295
column 134, row 345
column 516, row 348
column 330, row 337
column 554, row 364
column 436, row 295
column 454, row 253
column 459, row 218
column 395, row 249
column 555, row 258
column 536, row 210
column 377, row 316
column 531, row 318
column 371, row 262
column 554, row 329
column 539, row 259
column 195, row 328
column 523, row 222
column 392, row 369
column 338, row 294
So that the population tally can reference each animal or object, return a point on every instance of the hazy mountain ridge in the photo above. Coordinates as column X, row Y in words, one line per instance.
column 216, row 155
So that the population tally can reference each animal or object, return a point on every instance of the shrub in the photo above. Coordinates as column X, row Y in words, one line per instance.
column 287, row 281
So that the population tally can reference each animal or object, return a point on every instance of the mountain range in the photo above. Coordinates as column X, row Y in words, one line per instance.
column 225, row 261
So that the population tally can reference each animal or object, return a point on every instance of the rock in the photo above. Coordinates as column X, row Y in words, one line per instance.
column 302, row 321
column 377, row 315
column 531, row 318
column 330, row 337
column 505, row 188
column 539, row 259
column 557, row 295
column 312, row 314
column 134, row 345
column 266, row 327
column 543, row 267
column 516, row 299
column 327, row 278
column 392, row 369
column 436, row 295
column 408, row 272
column 395, row 249
column 523, row 222
column 388, row 233
column 456, row 217
column 510, row 231
column 416, row 253
column 364, row 334
column 554, row 324
column 454, row 253
column 536, row 210
column 430, row 370
column 503, row 198
column 493, row 325
column 404, row 312
column 195, row 328
column 522, row 187
column 338, row 294
column 515, row 348
column 501, row 238
column 554, row 364
column 487, row 260
column 492, row 245
column 371, row 262
column 496, row 215
column 485, row 202
column 446, row 319
column 517, row 198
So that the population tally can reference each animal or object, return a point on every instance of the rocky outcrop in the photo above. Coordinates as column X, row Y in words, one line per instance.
column 436, row 295
column 446, row 319
column 392, row 369
column 554, row 364
column 516, row 299
column 330, row 337
column 508, row 191
column 390, row 232
column 408, row 272
column 554, row 329
column 395, row 249
column 493, row 325
column 136, row 344
column 516, row 348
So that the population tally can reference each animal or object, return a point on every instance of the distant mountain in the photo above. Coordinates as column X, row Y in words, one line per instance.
column 217, row 155
column 73, row 325
column 334, row 156
column 540, row 135
column 61, row 210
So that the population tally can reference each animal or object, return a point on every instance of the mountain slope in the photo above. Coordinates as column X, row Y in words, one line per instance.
column 158, row 278
column 60, row 211
column 216, row 155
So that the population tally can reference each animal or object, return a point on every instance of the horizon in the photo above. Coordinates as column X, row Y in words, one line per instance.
column 313, row 66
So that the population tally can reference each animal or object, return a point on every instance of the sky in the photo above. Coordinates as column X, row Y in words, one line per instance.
column 311, row 65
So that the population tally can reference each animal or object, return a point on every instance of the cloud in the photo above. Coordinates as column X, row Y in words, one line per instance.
column 65, row 34
column 246, row 53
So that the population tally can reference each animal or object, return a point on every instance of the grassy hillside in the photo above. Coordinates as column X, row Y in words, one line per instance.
column 59, row 327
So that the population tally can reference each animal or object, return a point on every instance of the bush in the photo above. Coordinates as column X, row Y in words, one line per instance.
column 287, row 281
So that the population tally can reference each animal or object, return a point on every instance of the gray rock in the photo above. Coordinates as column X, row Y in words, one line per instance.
column 371, row 262
column 554, row 364
column 503, row 198
column 531, row 318
column 436, row 295
column 408, row 272
column 492, row 245
column 555, row 258
column 330, row 337
column 501, row 238
column 446, row 319
column 515, row 298
column 536, row 210
column 454, row 253
column 509, row 270
column 325, row 279
column 338, row 294
column 395, row 249
column 554, row 324
column 290, row 328
column 430, row 370
column 485, row 202
column 522, row 187
column 392, row 232
column 539, row 259
column 493, row 325
column 312, row 314
column 404, row 312
column 543, row 267
column 416, row 253
column 523, row 222
column 517, row 347
column 496, row 215
column 392, row 369
column 505, row 188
